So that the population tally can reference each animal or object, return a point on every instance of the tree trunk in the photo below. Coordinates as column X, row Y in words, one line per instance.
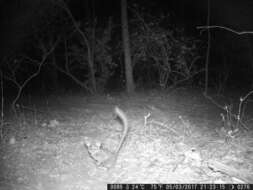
column 126, row 46
column 91, row 51
column 249, row 44
column 92, row 71
column 53, row 75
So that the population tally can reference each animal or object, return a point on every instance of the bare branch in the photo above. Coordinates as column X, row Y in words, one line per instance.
column 21, row 85
column 225, row 28
column 75, row 23
column 74, row 78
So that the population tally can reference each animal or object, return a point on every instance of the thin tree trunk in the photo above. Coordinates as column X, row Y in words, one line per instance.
column 92, row 71
column 208, row 50
column 126, row 46
column 249, row 44
column 54, row 77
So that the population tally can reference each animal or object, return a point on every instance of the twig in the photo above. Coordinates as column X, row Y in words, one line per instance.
column 162, row 125
column 230, row 115
column 186, row 77
column 230, row 171
column 74, row 78
column 146, row 119
column 242, row 99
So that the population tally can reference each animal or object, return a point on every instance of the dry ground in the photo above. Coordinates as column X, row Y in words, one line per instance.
column 174, row 137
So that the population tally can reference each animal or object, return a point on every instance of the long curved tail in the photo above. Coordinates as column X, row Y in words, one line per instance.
column 121, row 114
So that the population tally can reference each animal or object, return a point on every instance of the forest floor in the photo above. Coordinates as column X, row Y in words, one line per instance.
column 174, row 137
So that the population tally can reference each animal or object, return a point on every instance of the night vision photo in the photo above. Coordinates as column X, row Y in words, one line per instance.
column 99, row 92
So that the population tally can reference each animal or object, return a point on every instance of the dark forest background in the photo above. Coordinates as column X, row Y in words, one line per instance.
column 29, row 29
